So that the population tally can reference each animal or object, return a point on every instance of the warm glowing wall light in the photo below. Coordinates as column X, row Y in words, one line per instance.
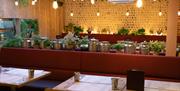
column 178, row 13
column 98, row 14
column 55, row 4
column 139, row 3
column 127, row 13
column 92, row 1
column 71, row 14
column 160, row 13
column 35, row 0
column 16, row 2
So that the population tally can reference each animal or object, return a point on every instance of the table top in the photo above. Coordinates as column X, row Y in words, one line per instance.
column 19, row 77
column 103, row 83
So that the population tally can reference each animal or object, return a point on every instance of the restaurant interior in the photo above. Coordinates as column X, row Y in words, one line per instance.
column 89, row 45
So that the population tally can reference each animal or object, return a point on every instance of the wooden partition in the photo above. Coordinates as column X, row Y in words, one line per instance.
column 64, row 63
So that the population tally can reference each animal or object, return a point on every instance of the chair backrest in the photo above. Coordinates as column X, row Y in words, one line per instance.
column 135, row 80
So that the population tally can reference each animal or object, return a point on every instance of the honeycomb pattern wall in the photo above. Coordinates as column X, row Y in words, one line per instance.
column 113, row 16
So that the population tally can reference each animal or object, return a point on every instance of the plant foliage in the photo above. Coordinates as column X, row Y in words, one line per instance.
column 123, row 31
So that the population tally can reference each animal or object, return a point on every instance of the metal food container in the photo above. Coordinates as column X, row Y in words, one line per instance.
column 56, row 44
column 129, row 47
column 104, row 46
column 27, row 43
column 144, row 48
column 93, row 45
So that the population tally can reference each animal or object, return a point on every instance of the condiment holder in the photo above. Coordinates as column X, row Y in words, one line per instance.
column 77, row 76
column 31, row 73
column 115, row 83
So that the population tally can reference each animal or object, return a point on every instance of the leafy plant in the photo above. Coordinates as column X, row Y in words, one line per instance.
column 69, row 27
column 23, row 2
column 84, row 40
column 105, row 30
column 156, row 46
column 141, row 31
column 123, row 31
column 117, row 46
column 159, row 31
column 13, row 42
column 73, row 28
column 138, row 32
column 37, row 40
column 77, row 30
column 47, row 43
column 29, row 27
column 151, row 31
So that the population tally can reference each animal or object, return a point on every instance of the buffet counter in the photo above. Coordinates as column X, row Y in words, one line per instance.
column 63, row 63
column 113, row 38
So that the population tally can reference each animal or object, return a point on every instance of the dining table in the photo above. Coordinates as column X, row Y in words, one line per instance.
column 18, row 77
column 104, row 83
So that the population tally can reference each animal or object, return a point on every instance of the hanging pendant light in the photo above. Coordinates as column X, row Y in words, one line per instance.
column 139, row 3
column 92, row 1
column 55, row 4
column 16, row 2
column 33, row 2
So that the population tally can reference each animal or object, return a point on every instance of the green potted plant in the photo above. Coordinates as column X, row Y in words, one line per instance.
column 123, row 31
column 84, row 43
column 141, row 31
column 13, row 42
column 36, row 41
column 69, row 27
column 156, row 46
column 117, row 46
column 77, row 30
column 47, row 43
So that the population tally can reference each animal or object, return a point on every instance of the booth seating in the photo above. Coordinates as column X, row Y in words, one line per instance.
column 63, row 63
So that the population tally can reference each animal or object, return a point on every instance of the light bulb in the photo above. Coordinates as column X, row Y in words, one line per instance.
column 139, row 3
column 16, row 3
column 98, row 14
column 127, row 13
column 160, row 13
column 178, row 13
column 33, row 2
column 82, row 0
column 55, row 4
column 154, row 0
column 92, row 1
column 71, row 14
